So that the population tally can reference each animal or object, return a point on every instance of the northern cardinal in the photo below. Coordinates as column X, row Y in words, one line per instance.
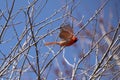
column 67, row 36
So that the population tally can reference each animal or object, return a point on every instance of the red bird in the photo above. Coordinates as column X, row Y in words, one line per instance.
column 67, row 36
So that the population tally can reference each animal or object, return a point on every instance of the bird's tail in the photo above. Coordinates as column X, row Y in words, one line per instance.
column 50, row 43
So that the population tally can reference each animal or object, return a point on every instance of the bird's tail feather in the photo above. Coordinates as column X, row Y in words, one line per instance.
column 50, row 43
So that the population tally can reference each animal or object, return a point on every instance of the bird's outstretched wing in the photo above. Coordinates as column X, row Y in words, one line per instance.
column 66, row 32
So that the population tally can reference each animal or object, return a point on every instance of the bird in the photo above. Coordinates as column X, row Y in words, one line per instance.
column 66, row 35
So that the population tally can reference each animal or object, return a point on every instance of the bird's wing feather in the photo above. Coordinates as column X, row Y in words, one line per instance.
column 66, row 32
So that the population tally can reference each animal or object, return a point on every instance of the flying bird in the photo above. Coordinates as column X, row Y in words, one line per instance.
column 67, row 36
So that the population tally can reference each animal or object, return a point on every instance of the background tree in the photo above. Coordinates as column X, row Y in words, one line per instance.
column 26, row 25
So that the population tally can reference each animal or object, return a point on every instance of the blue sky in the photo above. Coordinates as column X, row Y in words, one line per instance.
column 86, row 8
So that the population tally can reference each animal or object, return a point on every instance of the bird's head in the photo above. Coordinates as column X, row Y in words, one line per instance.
column 74, row 38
